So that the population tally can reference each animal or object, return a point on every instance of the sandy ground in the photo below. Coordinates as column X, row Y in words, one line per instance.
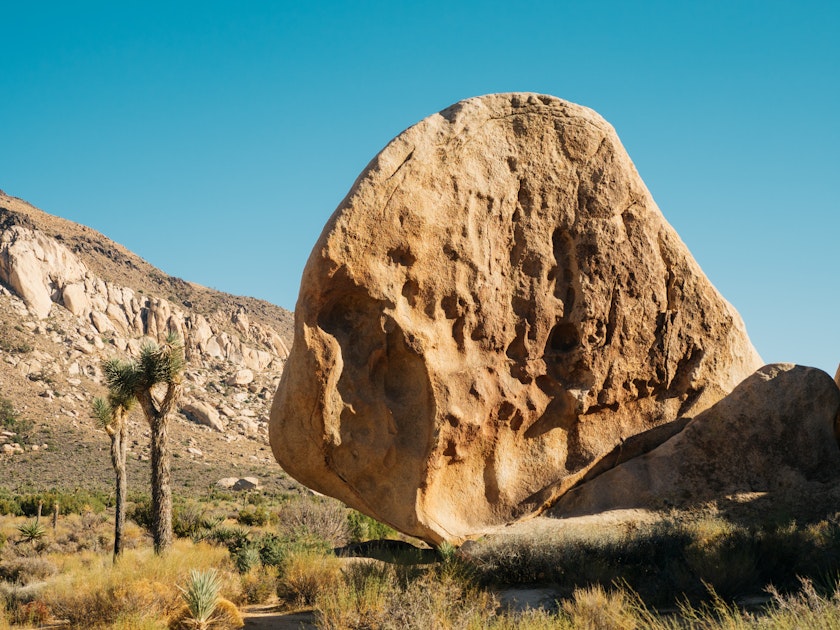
column 266, row 618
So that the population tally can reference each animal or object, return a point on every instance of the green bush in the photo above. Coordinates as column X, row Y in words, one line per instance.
column 252, row 516
column 273, row 550
column 140, row 511
column 76, row 502
column 9, row 505
column 245, row 558
column 363, row 528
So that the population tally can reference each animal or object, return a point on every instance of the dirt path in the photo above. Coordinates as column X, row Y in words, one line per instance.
column 266, row 618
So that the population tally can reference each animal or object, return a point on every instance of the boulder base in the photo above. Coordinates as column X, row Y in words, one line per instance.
column 769, row 440
column 496, row 304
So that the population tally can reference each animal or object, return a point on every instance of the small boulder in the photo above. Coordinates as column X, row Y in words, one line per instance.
column 238, row 483
column 203, row 413
column 247, row 483
column 240, row 378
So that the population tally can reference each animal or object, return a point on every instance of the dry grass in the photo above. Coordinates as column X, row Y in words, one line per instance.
column 141, row 585
column 305, row 575
column 259, row 584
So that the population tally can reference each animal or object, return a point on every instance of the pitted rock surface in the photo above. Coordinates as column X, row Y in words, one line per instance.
column 495, row 305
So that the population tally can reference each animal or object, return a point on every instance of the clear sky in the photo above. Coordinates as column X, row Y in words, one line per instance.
column 215, row 138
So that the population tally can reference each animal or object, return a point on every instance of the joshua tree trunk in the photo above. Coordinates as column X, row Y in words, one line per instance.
column 158, row 417
column 119, row 445
column 161, row 487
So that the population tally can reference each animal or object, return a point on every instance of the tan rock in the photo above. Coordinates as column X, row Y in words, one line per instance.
column 36, row 267
column 101, row 322
column 227, row 482
column 75, row 299
column 773, row 434
column 240, row 378
column 246, row 483
column 203, row 413
column 495, row 305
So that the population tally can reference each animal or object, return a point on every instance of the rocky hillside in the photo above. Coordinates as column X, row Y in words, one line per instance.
column 70, row 298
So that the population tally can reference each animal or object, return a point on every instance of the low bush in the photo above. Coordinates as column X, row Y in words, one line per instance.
column 315, row 519
column 11, row 421
column 363, row 528
column 305, row 575
column 254, row 516
column 259, row 584
column 90, row 590
column 26, row 570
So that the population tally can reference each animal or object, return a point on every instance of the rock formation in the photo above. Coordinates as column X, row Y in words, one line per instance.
column 773, row 435
column 494, row 306
column 61, row 299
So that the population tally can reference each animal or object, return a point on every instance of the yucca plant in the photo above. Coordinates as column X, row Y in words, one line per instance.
column 203, row 608
column 201, row 595
column 31, row 532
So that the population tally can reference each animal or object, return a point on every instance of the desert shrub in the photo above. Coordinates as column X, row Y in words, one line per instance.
column 140, row 511
column 254, row 516
column 305, row 575
column 13, row 340
column 9, row 505
column 34, row 613
column 191, row 520
column 362, row 527
column 314, row 519
column 594, row 607
column 76, row 502
column 246, row 557
column 259, row 584
column 273, row 550
column 233, row 537
column 24, row 570
column 91, row 591
column 362, row 599
column 435, row 602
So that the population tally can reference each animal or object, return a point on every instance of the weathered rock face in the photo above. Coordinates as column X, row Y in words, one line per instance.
column 496, row 304
column 69, row 317
column 774, row 434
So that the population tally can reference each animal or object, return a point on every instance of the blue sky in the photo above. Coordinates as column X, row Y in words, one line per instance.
column 215, row 138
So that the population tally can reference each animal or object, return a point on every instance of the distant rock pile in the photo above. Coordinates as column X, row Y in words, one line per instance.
column 497, row 304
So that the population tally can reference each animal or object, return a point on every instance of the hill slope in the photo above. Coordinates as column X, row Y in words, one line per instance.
column 70, row 298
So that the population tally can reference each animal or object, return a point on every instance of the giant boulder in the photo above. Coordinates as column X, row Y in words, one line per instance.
column 495, row 305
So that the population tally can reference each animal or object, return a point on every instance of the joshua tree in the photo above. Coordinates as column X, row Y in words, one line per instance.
column 111, row 414
column 158, row 365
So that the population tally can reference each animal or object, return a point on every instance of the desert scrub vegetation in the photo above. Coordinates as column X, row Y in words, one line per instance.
column 75, row 502
column 92, row 592
column 670, row 560
column 678, row 572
